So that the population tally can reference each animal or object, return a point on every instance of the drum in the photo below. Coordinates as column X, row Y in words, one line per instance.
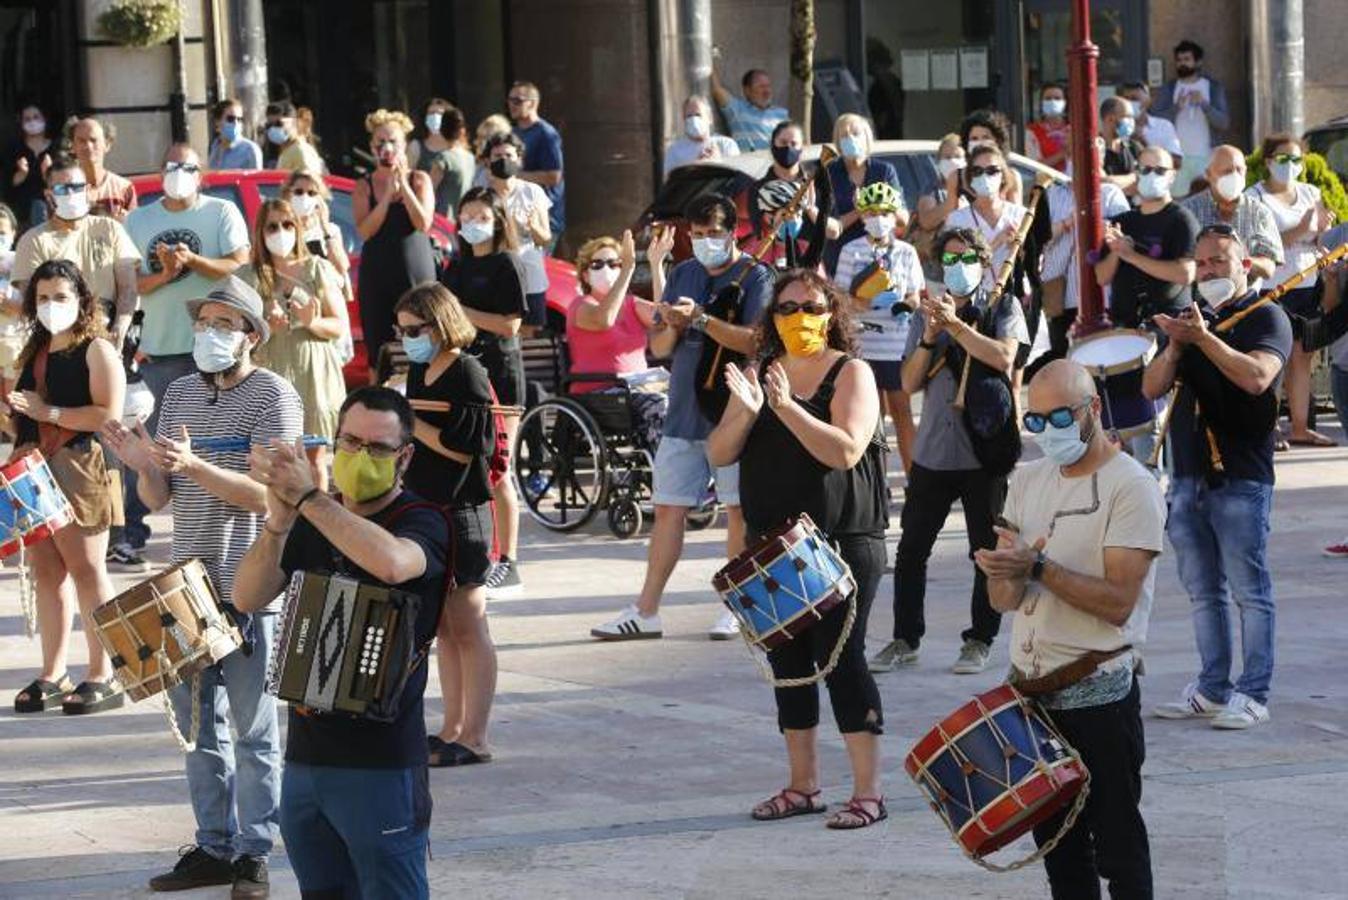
column 784, row 583
column 165, row 630
column 1117, row 359
column 995, row 768
column 32, row 506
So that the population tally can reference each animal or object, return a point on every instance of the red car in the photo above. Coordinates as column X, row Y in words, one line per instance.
column 247, row 190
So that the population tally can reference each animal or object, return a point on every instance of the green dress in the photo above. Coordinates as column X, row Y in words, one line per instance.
column 310, row 363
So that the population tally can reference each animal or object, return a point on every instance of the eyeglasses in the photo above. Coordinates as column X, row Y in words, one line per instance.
column 791, row 307
column 189, row 168
column 975, row 171
column 349, row 444
column 218, row 324
column 597, row 264
column 273, row 227
column 518, row 100
column 68, row 188
column 1288, row 158
column 1152, row 170
column 231, row 118
column 412, row 331
column 968, row 256
column 1058, row 418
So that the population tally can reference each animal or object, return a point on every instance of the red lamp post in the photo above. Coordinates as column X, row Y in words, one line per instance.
column 1090, row 229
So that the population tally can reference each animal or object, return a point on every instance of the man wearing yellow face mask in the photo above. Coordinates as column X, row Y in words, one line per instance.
column 355, row 805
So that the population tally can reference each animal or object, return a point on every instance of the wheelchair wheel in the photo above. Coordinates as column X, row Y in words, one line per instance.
column 704, row 516
column 559, row 463
column 624, row 518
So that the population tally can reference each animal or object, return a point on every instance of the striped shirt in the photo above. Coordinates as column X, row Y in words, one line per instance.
column 900, row 260
column 752, row 126
column 1060, row 255
column 261, row 407
column 1254, row 223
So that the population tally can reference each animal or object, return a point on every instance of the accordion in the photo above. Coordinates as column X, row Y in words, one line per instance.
column 344, row 647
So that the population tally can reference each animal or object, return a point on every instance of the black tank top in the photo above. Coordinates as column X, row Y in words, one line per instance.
column 780, row 479
column 67, row 386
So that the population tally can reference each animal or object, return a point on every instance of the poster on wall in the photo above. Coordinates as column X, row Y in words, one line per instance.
column 974, row 67
column 945, row 74
column 914, row 67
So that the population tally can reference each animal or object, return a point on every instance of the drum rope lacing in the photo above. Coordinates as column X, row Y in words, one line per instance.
column 760, row 658
column 936, row 791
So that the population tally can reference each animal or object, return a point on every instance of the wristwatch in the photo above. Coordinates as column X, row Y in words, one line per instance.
column 699, row 323
column 1037, row 570
column 925, row 345
column 53, row 414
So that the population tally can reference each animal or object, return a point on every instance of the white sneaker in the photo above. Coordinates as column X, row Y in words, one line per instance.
column 1190, row 705
column 1241, row 712
column 629, row 626
column 725, row 628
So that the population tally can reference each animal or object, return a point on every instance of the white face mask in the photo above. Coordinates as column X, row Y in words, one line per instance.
column 180, row 185
column 433, row 121
column 6, row 241
column 879, row 226
column 602, row 280
column 696, row 127
column 58, row 317
column 1285, row 172
column 280, row 243
column 1217, row 291
column 987, row 185
column 72, row 206
column 304, row 205
column 1153, row 186
column 34, row 127
column 946, row 166
column 1054, row 107
column 1230, row 185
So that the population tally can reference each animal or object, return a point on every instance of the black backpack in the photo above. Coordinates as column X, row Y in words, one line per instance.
column 989, row 406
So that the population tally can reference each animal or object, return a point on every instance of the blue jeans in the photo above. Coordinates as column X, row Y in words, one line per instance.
column 357, row 833
column 1338, row 386
column 1221, row 542
column 235, row 785
column 159, row 374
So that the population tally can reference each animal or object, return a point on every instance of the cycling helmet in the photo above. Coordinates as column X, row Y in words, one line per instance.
column 775, row 194
column 878, row 196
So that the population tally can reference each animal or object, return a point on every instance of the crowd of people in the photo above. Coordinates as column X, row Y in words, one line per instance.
column 848, row 302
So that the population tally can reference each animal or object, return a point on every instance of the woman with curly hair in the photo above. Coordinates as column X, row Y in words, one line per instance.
column 393, row 207
column 807, row 432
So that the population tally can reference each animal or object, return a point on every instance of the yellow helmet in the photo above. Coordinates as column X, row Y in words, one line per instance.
column 878, row 196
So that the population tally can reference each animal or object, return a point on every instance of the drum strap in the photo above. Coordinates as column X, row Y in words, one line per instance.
column 51, row 437
column 1068, row 675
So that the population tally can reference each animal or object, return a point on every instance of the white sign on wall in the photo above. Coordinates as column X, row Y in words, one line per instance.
column 914, row 69
column 945, row 74
column 974, row 67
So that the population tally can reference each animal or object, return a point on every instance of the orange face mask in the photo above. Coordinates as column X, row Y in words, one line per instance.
column 802, row 333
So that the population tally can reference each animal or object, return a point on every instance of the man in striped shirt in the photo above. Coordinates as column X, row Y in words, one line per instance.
column 217, row 514
column 752, row 117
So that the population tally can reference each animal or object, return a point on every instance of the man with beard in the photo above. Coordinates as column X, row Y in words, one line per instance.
column 218, row 512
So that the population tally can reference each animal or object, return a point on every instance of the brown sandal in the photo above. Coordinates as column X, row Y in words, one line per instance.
column 787, row 803
column 860, row 816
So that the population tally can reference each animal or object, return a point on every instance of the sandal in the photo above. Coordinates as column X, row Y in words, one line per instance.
column 38, row 696
column 787, row 803
column 1314, row 439
column 93, row 696
column 860, row 817
column 454, row 754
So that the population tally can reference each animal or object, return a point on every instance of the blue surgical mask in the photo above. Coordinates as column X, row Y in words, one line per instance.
column 963, row 279
column 277, row 134
column 1125, row 128
column 477, row 232
column 215, row 351
column 851, row 147
column 1054, row 107
column 790, row 229
column 1062, row 445
column 229, row 132
column 420, row 349
column 712, row 252
column 433, row 121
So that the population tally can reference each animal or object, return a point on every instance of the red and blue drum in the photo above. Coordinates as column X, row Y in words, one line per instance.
column 995, row 768
column 1116, row 360
column 784, row 583
column 32, row 505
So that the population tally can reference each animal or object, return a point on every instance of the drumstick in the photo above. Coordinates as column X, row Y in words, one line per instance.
column 242, row 443
column 444, row 406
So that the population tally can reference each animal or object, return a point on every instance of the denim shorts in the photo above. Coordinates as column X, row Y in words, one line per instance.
column 682, row 472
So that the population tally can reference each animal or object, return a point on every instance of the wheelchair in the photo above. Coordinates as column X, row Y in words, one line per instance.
column 578, row 454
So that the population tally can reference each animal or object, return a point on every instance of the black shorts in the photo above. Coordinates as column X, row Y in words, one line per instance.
column 1300, row 304
column 888, row 374
column 538, row 309
column 472, row 544
column 504, row 362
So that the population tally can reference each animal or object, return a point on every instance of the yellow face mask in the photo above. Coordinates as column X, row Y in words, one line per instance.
column 803, row 334
column 361, row 476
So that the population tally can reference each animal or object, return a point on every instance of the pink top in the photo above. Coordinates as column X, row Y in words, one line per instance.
column 620, row 350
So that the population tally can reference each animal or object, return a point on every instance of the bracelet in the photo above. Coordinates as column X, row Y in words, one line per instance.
column 53, row 414
column 273, row 530
column 926, row 346
column 307, row 496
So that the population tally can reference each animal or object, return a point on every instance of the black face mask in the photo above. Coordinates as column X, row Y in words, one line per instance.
column 786, row 157
column 1185, row 71
column 505, row 168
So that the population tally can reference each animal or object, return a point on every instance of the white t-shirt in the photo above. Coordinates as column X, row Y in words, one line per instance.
column 1191, row 123
column 519, row 204
column 968, row 217
column 1302, row 254
column 685, row 150
column 901, row 261
column 1161, row 133
column 1119, row 505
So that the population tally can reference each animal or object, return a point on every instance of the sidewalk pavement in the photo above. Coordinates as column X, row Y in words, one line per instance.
column 627, row 770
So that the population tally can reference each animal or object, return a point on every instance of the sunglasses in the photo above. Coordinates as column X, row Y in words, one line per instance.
column 412, row 331
column 231, row 118
column 791, row 307
column 968, row 256
column 1152, row 170
column 1288, row 158
column 189, row 168
column 1063, row 416
column 975, row 171
column 273, row 227
column 70, row 187
column 597, row 264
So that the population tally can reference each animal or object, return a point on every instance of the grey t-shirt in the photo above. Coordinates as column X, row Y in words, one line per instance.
column 942, row 440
